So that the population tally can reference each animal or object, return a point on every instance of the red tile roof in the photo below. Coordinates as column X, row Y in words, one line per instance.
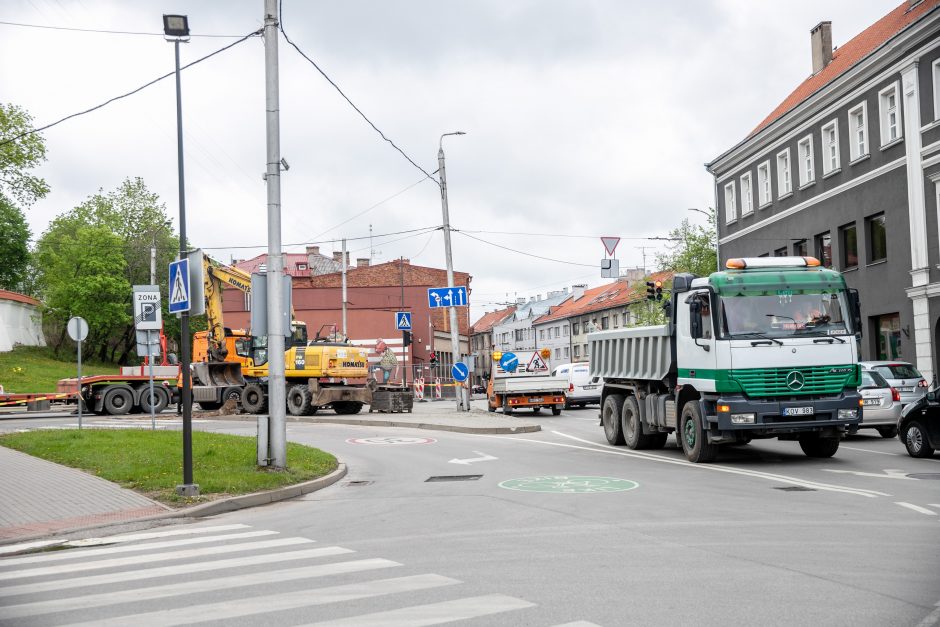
column 607, row 296
column 849, row 54
column 20, row 298
column 488, row 321
column 291, row 261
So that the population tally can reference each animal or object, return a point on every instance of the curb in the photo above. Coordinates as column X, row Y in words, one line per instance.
column 211, row 508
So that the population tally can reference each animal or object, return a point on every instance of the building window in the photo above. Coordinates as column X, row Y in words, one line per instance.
column 888, row 334
column 518, row 335
column 763, row 184
column 605, row 323
column 557, row 332
column 858, row 132
column 301, row 266
column 564, row 330
column 830, row 142
column 731, row 204
column 557, row 353
column 849, row 242
column 585, row 351
column 807, row 163
column 877, row 239
column 889, row 113
column 781, row 252
column 541, row 334
column 575, row 328
column 577, row 352
column 616, row 321
column 566, row 352
column 936, row 89
column 747, row 194
column 824, row 249
column 764, row 255
column 799, row 249
column 784, row 181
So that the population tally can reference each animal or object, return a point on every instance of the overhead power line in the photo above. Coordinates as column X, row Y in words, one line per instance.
column 345, row 97
column 105, row 32
column 527, row 234
column 130, row 93
column 521, row 252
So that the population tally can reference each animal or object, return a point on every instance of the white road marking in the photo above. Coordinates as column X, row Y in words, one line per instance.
column 865, row 450
column 916, row 508
column 150, row 535
column 611, row 450
column 483, row 457
column 889, row 473
column 111, row 550
column 934, row 504
column 191, row 587
column 579, row 623
column 146, row 559
column 238, row 608
column 433, row 613
column 172, row 571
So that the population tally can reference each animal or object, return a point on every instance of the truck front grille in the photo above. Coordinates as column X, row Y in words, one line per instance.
column 815, row 380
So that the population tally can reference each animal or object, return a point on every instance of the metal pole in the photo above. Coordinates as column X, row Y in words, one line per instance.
column 344, row 288
column 153, row 261
column 153, row 420
column 188, row 488
column 277, row 392
column 404, row 356
column 79, row 385
column 454, row 329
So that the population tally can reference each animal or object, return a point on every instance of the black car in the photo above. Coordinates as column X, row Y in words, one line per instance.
column 919, row 426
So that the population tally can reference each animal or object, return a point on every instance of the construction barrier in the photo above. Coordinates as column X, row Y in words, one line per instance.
column 419, row 389
column 437, row 388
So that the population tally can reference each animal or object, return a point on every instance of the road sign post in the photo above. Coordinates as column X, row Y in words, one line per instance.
column 78, row 331
column 147, row 319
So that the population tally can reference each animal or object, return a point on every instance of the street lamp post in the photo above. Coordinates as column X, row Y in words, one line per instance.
column 176, row 29
column 712, row 217
column 454, row 329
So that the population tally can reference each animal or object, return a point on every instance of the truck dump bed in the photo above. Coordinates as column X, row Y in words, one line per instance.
column 529, row 384
column 640, row 353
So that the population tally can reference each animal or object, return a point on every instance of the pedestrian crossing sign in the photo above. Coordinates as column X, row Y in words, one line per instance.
column 179, row 286
column 403, row 320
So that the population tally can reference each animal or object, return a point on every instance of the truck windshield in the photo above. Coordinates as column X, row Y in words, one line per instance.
column 787, row 313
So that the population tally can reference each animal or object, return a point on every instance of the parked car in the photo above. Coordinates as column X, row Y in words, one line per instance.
column 919, row 426
column 881, row 404
column 583, row 389
column 902, row 376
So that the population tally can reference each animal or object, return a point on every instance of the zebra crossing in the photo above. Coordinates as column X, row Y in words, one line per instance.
column 223, row 573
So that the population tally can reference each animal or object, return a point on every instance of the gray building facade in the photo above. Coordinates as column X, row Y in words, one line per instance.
column 847, row 170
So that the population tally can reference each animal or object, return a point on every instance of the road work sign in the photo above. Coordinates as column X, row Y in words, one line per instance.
column 536, row 364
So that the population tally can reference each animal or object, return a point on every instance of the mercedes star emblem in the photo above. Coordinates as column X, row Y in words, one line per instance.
column 795, row 380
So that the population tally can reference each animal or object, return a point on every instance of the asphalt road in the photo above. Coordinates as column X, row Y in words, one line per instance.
column 559, row 528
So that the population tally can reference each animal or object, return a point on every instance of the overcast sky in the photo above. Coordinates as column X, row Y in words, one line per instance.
column 583, row 118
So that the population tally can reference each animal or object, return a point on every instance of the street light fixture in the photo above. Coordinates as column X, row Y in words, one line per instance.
column 713, row 216
column 176, row 29
column 454, row 329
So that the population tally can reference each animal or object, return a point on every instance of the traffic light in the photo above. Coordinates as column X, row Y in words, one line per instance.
column 433, row 358
column 650, row 290
column 659, row 290
column 406, row 338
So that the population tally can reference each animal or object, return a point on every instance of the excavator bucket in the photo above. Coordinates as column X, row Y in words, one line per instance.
column 220, row 373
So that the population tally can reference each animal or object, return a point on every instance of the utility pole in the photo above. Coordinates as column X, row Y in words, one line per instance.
column 277, row 402
column 404, row 355
column 454, row 329
column 345, row 333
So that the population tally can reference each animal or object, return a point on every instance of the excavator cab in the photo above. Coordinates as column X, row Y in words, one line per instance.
column 328, row 333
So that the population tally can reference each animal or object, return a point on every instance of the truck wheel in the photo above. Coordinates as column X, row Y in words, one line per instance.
column 815, row 446
column 610, row 418
column 632, row 429
column 915, row 439
column 695, row 444
column 490, row 408
column 507, row 409
column 232, row 392
column 118, row 401
column 556, row 410
column 160, row 400
column 254, row 399
column 298, row 400
column 347, row 407
column 888, row 432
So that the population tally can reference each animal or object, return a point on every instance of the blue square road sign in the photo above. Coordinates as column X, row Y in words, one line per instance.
column 403, row 320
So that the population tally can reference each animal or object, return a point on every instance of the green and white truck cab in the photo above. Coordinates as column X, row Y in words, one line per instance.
column 764, row 349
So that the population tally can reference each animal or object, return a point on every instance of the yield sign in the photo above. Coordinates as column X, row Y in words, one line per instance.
column 536, row 364
column 610, row 244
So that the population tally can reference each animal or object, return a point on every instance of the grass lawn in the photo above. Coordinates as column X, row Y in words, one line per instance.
column 151, row 462
column 28, row 369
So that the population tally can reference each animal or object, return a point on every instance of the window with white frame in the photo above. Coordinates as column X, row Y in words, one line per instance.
column 784, row 181
column 731, row 204
column 763, row 184
column 858, row 131
column 807, row 162
column 747, row 194
column 565, row 330
column 936, row 90
column 890, row 114
column 566, row 352
column 830, row 147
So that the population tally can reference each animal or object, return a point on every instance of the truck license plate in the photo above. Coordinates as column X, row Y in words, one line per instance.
column 590, row 387
column 873, row 401
column 798, row 411
column 535, row 399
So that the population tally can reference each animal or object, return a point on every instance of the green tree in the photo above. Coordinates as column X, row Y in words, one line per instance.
column 14, row 247
column 693, row 249
column 20, row 153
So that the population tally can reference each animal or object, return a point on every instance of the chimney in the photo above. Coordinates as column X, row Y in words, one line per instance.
column 577, row 291
column 538, row 298
column 313, row 250
column 531, row 299
column 821, row 41
column 362, row 262
column 520, row 301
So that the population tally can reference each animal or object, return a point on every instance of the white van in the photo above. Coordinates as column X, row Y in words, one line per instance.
column 582, row 388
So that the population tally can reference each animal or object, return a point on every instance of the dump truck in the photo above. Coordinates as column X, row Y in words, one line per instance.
column 764, row 349
column 525, row 388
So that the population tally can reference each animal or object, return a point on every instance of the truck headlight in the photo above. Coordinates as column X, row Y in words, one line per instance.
column 742, row 419
column 848, row 414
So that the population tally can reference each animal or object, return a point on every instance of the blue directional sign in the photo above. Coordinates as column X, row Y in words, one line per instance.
column 509, row 362
column 460, row 372
column 179, row 286
column 447, row 297
column 403, row 320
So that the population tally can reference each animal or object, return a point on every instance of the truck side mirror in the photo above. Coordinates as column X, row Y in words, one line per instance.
column 855, row 308
column 695, row 319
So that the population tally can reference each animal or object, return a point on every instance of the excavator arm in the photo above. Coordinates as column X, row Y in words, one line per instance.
column 215, row 277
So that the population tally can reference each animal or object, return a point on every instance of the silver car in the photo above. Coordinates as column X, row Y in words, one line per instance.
column 902, row 376
column 881, row 404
